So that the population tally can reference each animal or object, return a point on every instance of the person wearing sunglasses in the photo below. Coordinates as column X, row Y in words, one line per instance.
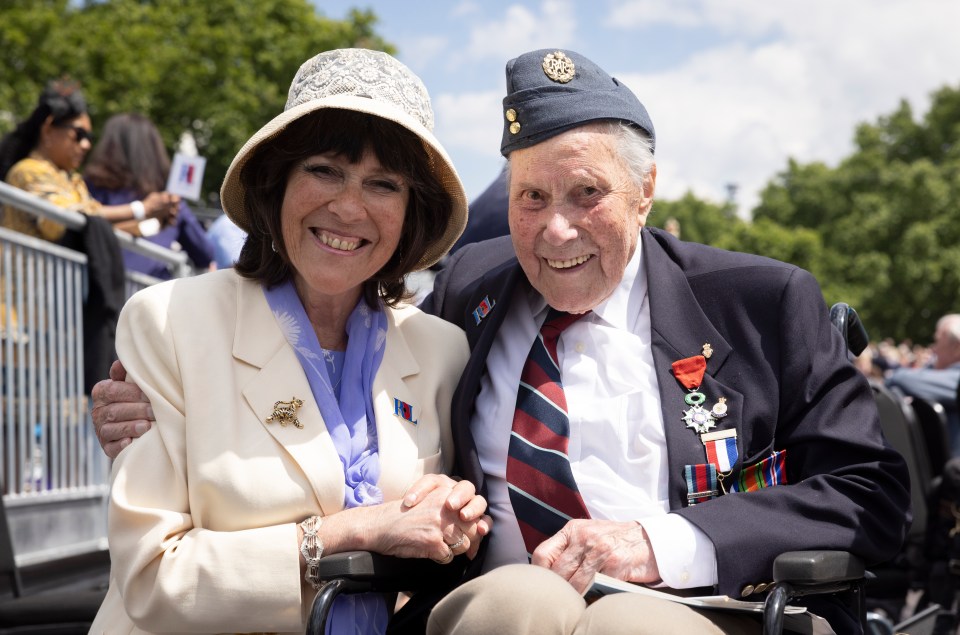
column 42, row 156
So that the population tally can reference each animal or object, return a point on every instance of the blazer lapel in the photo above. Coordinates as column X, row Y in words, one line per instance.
column 497, row 286
column 260, row 343
column 679, row 330
column 399, row 449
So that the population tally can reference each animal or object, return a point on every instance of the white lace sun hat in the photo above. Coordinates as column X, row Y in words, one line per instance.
column 370, row 82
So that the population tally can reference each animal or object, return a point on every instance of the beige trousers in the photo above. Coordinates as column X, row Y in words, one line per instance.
column 532, row 600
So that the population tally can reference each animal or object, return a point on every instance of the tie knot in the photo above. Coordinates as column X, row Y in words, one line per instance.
column 557, row 322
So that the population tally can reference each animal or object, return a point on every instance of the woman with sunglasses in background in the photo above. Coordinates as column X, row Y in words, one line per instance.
column 42, row 156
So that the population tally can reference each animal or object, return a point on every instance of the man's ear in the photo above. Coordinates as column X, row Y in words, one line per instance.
column 649, row 186
column 651, row 183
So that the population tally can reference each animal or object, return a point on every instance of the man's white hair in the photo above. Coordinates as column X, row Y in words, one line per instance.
column 951, row 322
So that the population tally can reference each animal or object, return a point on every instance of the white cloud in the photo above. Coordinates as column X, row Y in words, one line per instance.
column 735, row 112
column 465, row 9
column 421, row 51
column 522, row 28
column 469, row 121
column 636, row 13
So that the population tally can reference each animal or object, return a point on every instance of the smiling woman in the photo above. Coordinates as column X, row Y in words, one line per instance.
column 297, row 397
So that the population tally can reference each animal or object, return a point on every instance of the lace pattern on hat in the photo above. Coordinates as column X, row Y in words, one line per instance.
column 362, row 73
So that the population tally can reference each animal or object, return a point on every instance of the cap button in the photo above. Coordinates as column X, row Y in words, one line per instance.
column 515, row 127
column 511, row 114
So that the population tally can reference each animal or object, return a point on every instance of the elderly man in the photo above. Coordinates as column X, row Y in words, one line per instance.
column 661, row 412
column 941, row 380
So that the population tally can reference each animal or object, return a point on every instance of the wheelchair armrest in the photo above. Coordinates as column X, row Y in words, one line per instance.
column 817, row 567
column 802, row 573
column 366, row 571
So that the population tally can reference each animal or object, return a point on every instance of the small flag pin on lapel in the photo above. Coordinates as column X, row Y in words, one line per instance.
column 483, row 309
column 403, row 410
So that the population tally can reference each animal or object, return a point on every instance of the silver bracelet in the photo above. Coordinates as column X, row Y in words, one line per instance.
column 138, row 209
column 312, row 550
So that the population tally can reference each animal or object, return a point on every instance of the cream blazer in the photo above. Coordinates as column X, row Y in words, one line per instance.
column 204, row 506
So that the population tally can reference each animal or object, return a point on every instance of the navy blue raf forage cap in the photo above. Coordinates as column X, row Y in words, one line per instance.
column 551, row 91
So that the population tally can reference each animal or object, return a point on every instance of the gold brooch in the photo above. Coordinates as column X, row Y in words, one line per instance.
column 559, row 67
column 707, row 350
column 285, row 412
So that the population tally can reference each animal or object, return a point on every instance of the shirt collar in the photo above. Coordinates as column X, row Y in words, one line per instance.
column 621, row 308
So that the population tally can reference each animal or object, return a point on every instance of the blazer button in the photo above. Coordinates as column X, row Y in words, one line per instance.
column 760, row 588
column 747, row 590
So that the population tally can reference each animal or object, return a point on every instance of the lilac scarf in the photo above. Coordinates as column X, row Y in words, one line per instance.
column 351, row 423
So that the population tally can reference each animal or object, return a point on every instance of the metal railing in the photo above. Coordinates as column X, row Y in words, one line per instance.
column 42, row 355
column 55, row 476
column 9, row 195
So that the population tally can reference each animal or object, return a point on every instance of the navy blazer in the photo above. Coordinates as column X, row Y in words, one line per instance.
column 784, row 371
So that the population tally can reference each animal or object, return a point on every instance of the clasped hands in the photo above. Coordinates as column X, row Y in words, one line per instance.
column 438, row 518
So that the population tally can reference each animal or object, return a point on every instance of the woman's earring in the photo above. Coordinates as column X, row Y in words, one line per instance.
column 273, row 246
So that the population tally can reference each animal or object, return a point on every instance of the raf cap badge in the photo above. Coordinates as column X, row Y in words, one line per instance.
column 285, row 412
column 558, row 67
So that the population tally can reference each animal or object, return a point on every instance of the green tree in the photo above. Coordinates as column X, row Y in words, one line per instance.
column 888, row 218
column 217, row 69
column 699, row 221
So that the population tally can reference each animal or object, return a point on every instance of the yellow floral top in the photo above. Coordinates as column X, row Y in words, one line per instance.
column 42, row 178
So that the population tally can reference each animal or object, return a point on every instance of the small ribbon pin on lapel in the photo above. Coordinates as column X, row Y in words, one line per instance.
column 285, row 412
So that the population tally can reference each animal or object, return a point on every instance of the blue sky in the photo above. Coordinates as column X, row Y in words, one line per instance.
column 734, row 87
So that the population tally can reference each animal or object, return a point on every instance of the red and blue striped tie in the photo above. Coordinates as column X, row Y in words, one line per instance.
column 542, row 489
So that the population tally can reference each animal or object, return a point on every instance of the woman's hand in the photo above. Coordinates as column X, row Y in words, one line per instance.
column 463, row 499
column 161, row 205
column 446, row 520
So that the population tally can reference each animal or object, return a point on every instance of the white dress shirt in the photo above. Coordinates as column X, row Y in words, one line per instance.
column 618, row 450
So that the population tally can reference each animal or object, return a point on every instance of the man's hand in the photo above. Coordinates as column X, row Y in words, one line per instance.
column 584, row 548
column 121, row 411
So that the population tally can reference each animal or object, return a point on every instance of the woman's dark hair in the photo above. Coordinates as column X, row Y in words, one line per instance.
column 63, row 100
column 130, row 155
column 348, row 134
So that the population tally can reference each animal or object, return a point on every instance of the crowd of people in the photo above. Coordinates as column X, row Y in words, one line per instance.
column 122, row 181
column 882, row 357
column 586, row 395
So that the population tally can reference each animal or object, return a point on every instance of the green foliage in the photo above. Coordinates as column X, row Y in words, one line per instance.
column 699, row 221
column 218, row 69
column 888, row 217
column 881, row 231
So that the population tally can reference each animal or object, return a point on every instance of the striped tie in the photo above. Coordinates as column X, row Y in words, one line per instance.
column 542, row 490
